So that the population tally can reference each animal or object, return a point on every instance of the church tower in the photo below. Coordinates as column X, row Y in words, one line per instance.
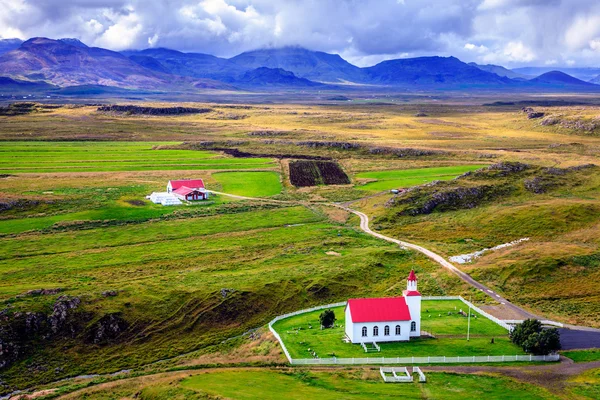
column 413, row 300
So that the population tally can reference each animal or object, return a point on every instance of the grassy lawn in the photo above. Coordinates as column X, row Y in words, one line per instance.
column 356, row 385
column 251, row 184
column 583, row 355
column 40, row 157
column 450, row 332
column 403, row 178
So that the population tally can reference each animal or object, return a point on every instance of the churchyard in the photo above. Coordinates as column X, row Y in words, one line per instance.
column 441, row 319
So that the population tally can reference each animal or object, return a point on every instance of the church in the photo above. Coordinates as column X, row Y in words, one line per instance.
column 387, row 319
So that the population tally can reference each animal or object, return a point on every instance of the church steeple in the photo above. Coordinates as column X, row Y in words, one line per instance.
column 411, row 282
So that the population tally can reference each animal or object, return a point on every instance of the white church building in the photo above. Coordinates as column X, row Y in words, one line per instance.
column 387, row 319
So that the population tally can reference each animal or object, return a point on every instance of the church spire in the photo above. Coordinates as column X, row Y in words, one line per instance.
column 411, row 282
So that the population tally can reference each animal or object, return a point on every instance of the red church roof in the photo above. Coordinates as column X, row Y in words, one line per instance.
column 379, row 310
column 190, row 183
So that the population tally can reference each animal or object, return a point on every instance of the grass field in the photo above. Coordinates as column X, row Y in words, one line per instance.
column 271, row 385
column 400, row 179
column 38, row 157
column 169, row 275
column 73, row 216
column 583, row 355
column 250, row 184
column 450, row 332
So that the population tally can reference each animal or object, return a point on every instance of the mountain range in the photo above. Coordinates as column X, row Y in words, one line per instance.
column 69, row 62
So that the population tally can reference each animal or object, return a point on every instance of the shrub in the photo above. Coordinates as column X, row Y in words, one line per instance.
column 327, row 318
column 534, row 339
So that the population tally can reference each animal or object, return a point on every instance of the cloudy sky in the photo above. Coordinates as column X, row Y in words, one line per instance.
column 508, row 32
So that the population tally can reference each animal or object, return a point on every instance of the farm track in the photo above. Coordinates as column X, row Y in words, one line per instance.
column 579, row 336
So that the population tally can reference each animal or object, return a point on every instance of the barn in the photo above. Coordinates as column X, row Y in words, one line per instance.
column 188, row 189
column 386, row 319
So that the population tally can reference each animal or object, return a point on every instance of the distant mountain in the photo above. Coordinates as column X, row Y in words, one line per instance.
column 9, row 84
column 596, row 80
column 561, row 79
column 65, row 64
column 499, row 70
column 313, row 65
column 270, row 77
column 584, row 74
column 73, row 42
column 195, row 65
column 7, row 45
column 431, row 71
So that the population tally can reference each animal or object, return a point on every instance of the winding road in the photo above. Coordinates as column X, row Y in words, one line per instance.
column 572, row 336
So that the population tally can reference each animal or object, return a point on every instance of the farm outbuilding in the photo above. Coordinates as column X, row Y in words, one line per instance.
column 164, row 198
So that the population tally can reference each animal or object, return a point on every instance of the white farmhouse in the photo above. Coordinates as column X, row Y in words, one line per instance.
column 388, row 319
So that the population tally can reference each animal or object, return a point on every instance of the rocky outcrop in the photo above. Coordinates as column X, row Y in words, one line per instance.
column 332, row 145
column 422, row 201
column 531, row 113
column 404, row 152
column 42, row 292
column 538, row 184
column 108, row 328
column 138, row 110
column 508, row 167
column 59, row 317
column 18, row 330
column 551, row 178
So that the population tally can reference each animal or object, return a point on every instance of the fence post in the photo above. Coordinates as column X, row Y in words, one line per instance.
column 445, row 358
column 530, row 357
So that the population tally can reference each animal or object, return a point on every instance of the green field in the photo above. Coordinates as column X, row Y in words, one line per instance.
column 38, row 157
column 450, row 333
column 582, row 355
column 250, row 184
column 404, row 178
column 169, row 275
column 271, row 385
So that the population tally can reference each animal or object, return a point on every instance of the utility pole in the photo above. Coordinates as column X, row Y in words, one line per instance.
column 469, row 320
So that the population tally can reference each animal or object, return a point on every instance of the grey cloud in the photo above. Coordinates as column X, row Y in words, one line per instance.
column 512, row 32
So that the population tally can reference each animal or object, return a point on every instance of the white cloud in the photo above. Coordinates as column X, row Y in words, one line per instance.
column 517, row 51
column 123, row 32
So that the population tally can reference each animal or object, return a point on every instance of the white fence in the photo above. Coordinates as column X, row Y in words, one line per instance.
column 284, row 316
column 543, row 322
column 422, row 360
column 406, row 360
column 474, row 307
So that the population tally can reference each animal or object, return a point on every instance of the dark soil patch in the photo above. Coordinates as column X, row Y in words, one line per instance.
column 313, row 173
column 136, row 202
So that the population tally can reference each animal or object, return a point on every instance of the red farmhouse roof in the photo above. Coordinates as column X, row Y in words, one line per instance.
column 412, row 276
column 190, row 183
column 379, row 310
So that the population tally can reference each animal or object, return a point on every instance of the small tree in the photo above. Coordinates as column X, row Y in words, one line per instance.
column 534, row 339
column 522, row 331
column 327, row 319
